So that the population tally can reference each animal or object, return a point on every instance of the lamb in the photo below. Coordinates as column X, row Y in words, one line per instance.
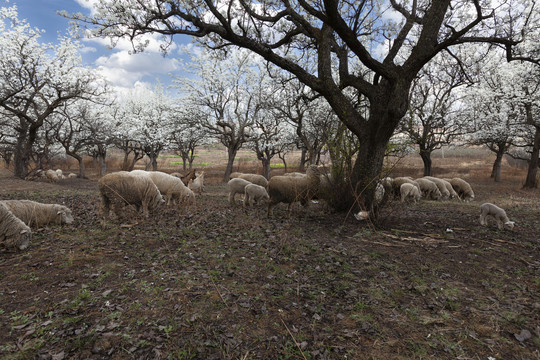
column 463, row 189
column 169, row 186
column 51, row 175
column 491, row 210
column 13, row 231
column 37, row 214
column 429, row 189
column 409, row 191
column 125, row 188
column 254, row 192
column 236, row 186
column 396, row 184
column 289, row 189
column 445, row 194
column 197, row 185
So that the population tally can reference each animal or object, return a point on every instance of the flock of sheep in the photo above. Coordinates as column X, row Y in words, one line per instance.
column 147, row 190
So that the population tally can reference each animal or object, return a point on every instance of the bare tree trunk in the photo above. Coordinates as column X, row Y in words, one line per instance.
column 282, row 157
column 82, row 170
column 426, row 158
column 530, row 181
column 497, row 165
column 301, row 167
column 231, row 155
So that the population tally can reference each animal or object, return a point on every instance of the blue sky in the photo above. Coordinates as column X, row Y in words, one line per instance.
column 117, row 65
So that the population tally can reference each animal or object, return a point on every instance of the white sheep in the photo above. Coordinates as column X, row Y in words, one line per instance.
column 450, row 189
column 60, row 174
column 463, row 189
column 13, row 231
column 123, row 188
column 171, row 187
column 51, row 175
column 37, row 214
column 493, row 211
column 429, row 189
column 72, row 176
column 445, row 194
column 254, row 192
column 290, row 189
column 396, row 184
column 255, row 179
column 409, row 191
column 236, row 186
column 197, row 185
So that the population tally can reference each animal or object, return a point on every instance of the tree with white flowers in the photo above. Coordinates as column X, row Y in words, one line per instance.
column 374, row 48
column 229, row 91
column 431, row 120
column 36, row 79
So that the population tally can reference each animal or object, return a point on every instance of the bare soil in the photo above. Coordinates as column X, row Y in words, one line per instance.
column 214, row 281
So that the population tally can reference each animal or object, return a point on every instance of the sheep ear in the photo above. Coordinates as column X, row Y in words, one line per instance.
column 59, row 212
column 23, row 231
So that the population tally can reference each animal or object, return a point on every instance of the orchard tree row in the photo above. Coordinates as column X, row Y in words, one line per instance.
column 330, row 75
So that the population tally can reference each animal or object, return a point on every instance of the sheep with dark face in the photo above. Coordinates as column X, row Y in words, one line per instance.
column 37, row 214
column 197, row 185
column 489, row 210
column 14, row 233
column 122, row 188
column 290, row 189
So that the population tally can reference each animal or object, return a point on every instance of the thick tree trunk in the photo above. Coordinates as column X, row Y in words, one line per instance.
column 266, row 167
column 426, row 158
column 497, row 165
column 301, row 166
column 231, row 155
column 82, row 169
column 531, row 181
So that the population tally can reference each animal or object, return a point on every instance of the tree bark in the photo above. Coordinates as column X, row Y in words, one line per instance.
column 497, row 165
column 531, row 181
column 231, row 155
column 426, row 158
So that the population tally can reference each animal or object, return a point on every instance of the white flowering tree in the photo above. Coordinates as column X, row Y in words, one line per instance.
column 376, row 48
column 431, row 120
column 229, row 91
column 187, row 134
column 36, row 79
column 149, row 113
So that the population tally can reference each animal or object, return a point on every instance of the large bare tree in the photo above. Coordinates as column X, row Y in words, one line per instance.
column 356, row 45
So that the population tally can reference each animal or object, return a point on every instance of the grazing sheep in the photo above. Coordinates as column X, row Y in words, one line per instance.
column 197, row 185
column 396, row 185
column 255, row 179
column 445, row 194
column 171, row 187
column 37, row 214
column 289, row 189
column 234, row 175
column 409, row 191
column 429, row 189
column 60, row 174
column 13, row 231
column 122, row 188
column 51, row 175
column 72, row 176
column 296, row 174
column 463, row 189
column 491, row 210
column 450, row 189
column 236, row 186
column 254, row 192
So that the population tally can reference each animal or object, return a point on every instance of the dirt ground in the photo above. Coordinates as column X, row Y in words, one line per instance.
column 213, row 281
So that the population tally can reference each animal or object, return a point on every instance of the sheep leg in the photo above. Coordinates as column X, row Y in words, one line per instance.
column 231, row 197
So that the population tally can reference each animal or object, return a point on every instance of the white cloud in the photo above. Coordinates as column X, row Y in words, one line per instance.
column 87, row 49
column 123, row 69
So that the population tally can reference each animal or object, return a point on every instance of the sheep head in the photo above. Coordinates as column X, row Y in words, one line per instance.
column 65, row 216
column 509, row 225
